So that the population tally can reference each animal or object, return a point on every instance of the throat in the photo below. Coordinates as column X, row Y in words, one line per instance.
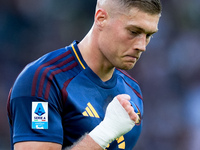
column 104, row 75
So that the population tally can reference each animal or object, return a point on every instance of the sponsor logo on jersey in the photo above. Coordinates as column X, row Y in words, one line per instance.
column 39, row 115
column 90, row 111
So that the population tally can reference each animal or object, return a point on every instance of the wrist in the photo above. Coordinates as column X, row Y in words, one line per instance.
column 110, row 128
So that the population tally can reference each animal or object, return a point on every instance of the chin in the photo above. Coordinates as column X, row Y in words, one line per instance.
column 127, row 67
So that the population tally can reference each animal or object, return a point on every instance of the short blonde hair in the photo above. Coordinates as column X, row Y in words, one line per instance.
column 149, row 6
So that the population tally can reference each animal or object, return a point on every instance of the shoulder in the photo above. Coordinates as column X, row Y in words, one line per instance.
column 124, row 74
column 42, row 70
column 130, row 81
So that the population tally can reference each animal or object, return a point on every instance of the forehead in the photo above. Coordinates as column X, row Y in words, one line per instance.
column 140, row 19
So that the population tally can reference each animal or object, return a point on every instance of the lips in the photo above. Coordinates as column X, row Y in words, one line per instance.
column 133, row 57
column 137, row 57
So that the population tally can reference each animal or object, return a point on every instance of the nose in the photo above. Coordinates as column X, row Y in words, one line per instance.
column 141, row 42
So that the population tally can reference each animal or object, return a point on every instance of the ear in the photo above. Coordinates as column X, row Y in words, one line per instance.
column 101, row 17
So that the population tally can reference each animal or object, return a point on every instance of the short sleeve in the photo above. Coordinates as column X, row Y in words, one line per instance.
column 35, row 105
column 35, row 119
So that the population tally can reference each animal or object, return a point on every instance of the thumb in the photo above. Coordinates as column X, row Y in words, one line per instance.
column 123, row 97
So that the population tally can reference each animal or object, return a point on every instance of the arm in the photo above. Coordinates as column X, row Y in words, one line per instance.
column 119, row 114
column 37, row 146
column 86, row 143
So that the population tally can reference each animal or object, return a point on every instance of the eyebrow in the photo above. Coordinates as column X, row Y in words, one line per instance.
column 142, row 30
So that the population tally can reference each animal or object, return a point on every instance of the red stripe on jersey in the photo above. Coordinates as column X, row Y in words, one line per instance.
column 126, row 74
column 48, row 86
column 64, row 92
column 44, row 74
column 8, row 106
column 44, row 65
column 136, row 92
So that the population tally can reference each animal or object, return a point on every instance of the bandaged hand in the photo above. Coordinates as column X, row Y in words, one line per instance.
column 119, row 119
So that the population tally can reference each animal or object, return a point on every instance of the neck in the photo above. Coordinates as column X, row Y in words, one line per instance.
column 104, row 74
column 94, row 58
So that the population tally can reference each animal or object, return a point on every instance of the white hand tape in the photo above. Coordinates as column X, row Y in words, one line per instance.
column 115, row 124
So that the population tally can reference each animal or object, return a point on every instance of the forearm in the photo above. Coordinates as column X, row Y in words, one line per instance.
column 85, row 143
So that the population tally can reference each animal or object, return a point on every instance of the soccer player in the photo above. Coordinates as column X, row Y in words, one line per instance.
column 79, row 97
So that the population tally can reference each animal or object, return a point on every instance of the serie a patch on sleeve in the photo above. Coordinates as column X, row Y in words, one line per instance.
column 39, row 115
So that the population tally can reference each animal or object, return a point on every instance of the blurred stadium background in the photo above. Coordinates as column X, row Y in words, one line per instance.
column 168, row 72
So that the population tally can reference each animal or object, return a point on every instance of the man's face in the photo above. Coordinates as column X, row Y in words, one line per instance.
column 125, row 36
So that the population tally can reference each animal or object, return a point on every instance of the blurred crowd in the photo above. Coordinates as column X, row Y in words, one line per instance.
column 168, row 72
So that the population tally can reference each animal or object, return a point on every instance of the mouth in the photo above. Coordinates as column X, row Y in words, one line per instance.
column 132, row 58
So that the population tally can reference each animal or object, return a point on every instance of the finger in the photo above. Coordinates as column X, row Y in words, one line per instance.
column 124, row 100
column 130, row 110
column 134, row 116
column 123, row 97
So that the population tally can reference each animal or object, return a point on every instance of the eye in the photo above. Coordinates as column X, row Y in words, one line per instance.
column 134, row 32
column 148, row 36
